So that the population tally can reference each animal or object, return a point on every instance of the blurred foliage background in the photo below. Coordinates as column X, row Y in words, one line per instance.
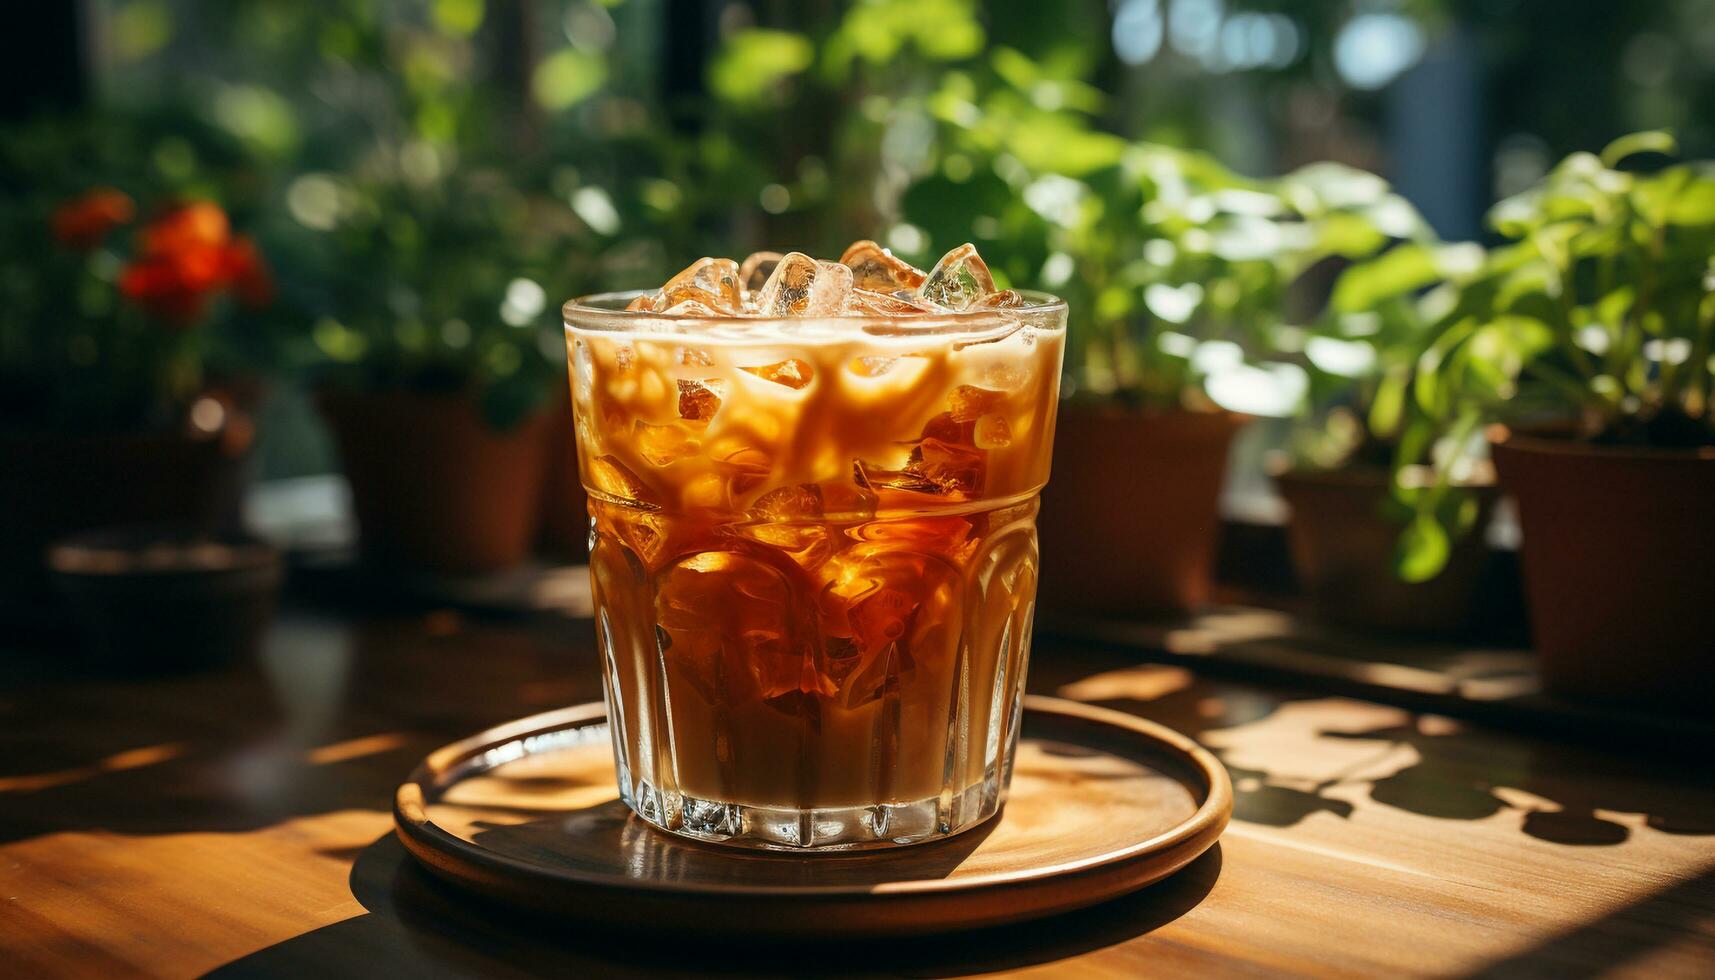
column 431, row 178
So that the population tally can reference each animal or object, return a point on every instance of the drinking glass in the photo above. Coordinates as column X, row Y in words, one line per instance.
column 813, row 555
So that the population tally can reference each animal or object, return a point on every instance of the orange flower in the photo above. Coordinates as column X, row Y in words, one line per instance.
column 187, row 255
column 251, row 278
column 187, row 228
column 167, row 289
column 84, row 221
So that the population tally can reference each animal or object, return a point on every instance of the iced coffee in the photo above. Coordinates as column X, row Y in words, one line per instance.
column 813, row 489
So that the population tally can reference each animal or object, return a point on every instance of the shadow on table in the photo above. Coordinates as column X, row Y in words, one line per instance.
column 418, row 926
column 1572, row 782
column 1175, row 697
column 1461, row 771
column 1608, row 944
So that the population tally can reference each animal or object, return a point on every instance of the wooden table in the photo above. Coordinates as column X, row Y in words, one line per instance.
column 237, row 822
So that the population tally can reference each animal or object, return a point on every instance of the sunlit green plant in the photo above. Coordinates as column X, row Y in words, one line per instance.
column 1361, row 350
column 448, row 285
column 1191, row 285
column 1596, row 318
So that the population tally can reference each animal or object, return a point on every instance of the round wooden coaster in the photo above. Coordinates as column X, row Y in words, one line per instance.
column 1102, row 803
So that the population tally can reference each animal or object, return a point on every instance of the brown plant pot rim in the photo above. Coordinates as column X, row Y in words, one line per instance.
column 1379, row 477
column 1505, row 438
column 1112, row 409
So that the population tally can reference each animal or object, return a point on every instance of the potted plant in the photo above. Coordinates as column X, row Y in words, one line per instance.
column 1347, row 506
column 110, row 316
column 1181, row 276
column 1585, row 345
column 440, row 363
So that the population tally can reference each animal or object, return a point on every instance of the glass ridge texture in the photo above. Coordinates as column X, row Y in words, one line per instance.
column 813, row 557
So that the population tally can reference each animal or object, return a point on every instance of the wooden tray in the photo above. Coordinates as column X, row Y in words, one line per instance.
column 1102, row 803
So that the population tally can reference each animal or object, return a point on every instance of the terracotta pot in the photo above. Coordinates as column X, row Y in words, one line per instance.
column 1617, row 546
column 1130, row 517
column 432, row 485
column 565, row 507
column 164, row 598
column 1343, row 546
column 56, row 483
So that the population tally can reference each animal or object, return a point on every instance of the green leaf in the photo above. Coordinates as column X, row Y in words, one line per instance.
column 1405, row 268
column 459, row 18
column 1324, row 186
column 1349, row 235
column 1501, row 349
column 1649, row 141
column 1057, row 144
column 1695, row 203
column 1423, row 550
column 879, row 30
column 1387, row 408
column 1612, row 309
column 1015, row 68
column 754, row 62
column 567, row 77
column 260, row 117
column 1429, row 384
column 1515, row 217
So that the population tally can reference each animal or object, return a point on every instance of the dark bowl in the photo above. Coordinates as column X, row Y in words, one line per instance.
column 162, row 599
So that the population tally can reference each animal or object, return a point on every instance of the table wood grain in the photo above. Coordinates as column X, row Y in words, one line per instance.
column 236, row 823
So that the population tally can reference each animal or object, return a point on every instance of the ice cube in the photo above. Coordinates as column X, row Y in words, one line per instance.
column 786, row 517
column 645, row 302
column 847, row 501
column 880, row 609
column 663, row 445
column 746, row 468
column 881, row 617
column 709, row 281
column 992, row 432
column 691, row 307
column 1003, row 376
column 958, row 280
column 871, row 365
column 1005, row 299
column 954, row 467
column 793, row 372
column 649, row 535
column 757, row 267
column 800, row 502
column 968, row 402
column 707, row 492
column 607, row 476
column 884, row 304
column 877, row 478
column 611, row 412
column 699, row 400
column 730, row 625
column 802, row 286
column 940, row 536
column 876, row 269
